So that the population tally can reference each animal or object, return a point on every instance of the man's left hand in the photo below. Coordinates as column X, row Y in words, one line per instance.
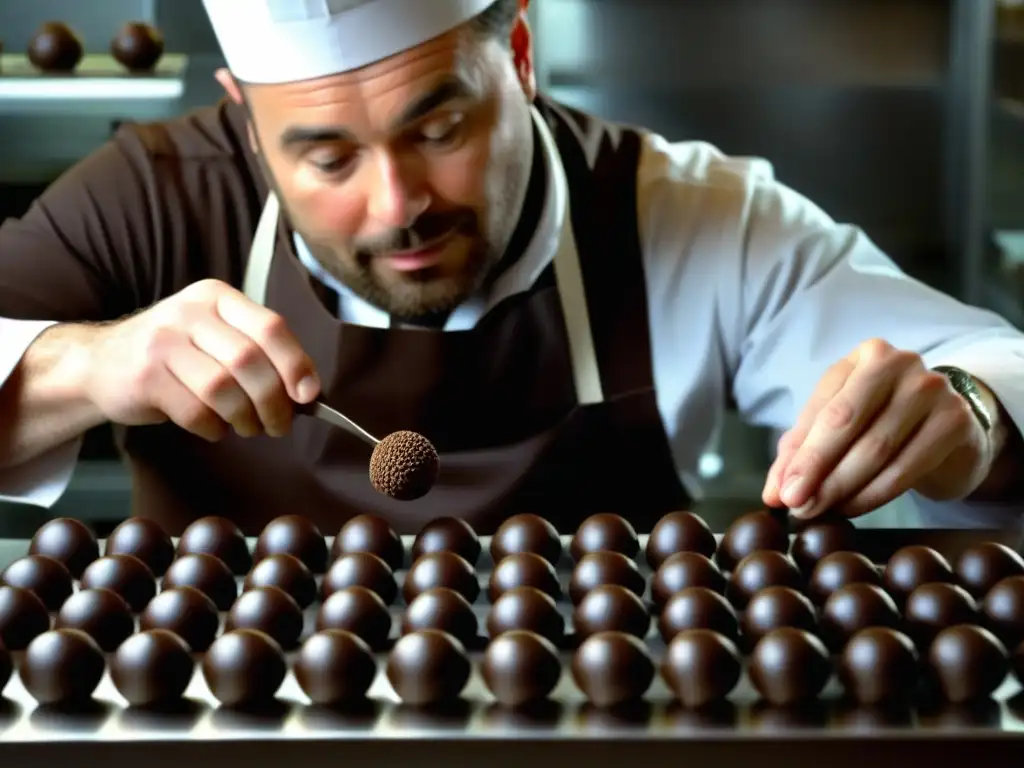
column 879, row 424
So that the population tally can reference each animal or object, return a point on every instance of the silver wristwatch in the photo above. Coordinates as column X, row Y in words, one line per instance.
column 965, row 386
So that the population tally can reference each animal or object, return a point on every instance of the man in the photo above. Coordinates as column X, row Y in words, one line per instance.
column 385, row 215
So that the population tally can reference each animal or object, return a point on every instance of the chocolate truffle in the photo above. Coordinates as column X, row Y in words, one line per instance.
column 698, row 608
column 600, row 568
column 143, row 539
column 101, row 614
column 23, row 617
column 612, row 668
column 219, row 537
column 968, row 663
column 441, row 569
column 244, row 667
column 604, row 533
column 679, row 532
column 526, row 533
column 62, row 667
column 854, row 607
column 360, row 569
column 269, row 610
column 1003, row 610
column 750, row 533
column 836, row 571
column 528, row 609
column 789, row 666
column 878, row 665
column 447, row 534
column 428, row 667
column 152, row 668
column 361, row 612
column 984, row 565
column 934, row 606
column 774, row 608
column 137, row 46
column 404, row 465
column 287, row 573
column 701, row 667
column 335, row 667
column 822, row 537
column 442, row 609
column 758, row 570
column 609, row 608
column 124, row 574
column 186, row 612
column 55, row 48
column 293, row 535
column 910, row 567
column 46, row 578
column 67, row 541
column 369, row 533
column 682, row 570
column 524, row 569
column 209, row 574
column 520, row 668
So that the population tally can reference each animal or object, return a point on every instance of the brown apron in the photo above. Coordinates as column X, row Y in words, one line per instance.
column 531, row 410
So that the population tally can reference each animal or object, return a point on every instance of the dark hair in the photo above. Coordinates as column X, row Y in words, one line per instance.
column 497, row 19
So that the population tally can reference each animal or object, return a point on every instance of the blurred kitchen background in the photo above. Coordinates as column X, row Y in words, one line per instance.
column 903, row 116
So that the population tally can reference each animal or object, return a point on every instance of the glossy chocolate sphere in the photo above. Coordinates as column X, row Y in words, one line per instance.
column 124, row 574
column 244, row 667
column 46, row 578
column 152, row 668
column 934, row 606
column 611, row 608
column 287, row 573
column 524, row 569
column 877, row 665
column 442, row 609
column 67, row 541
column 836, row 571
column 604, row 532
column 293, row 535
column 613, row 668
column 335, row 667
column 143, row 539
column 209, row 574
column 526, row 533
column 219, row 537
column 23, row 617
column 269, row 610
column 447, row 534
column 822, row 537
column 981, row 567
column 789, row 666
column 137, row 46
column 441, row 569
column 968, row 663
column 1003, row 610
column 55, row 48
column 369, row 533
column 101, row 614
column 527, row 609
column 360, row 569
column 774, row 608
column 758, row 570
column 750, row 533
column 679, row 532
column 520, row 668
column 62, row 667
column 682, row 570
column 428, row 667
column 910, row 567
column 361, row 612
column 602, row 568
column 854, row 607
column 698, row 608
column 186, row 612
column 701, row 667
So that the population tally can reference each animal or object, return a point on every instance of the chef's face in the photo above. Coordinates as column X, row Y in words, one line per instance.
column 406, row 177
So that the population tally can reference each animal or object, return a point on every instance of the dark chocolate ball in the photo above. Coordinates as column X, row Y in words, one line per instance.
column 524, row 569
column 428, row 667
column 447, row 534
column 701, row 667
column 185, row 611
column 101, row 614
column 968, row 663
column 984, row 565
column 604, row 532
column 67, row 541
column 838, row 570
column 293, row 535
column 441, row 569
column 854, row 607
column 143, row 539
column 679, row 532
column 1003, row 610
column 758, row 570
column 287, row 573
column 209, row 574
column 244, row 667
column 520, row 668
column 124, row 574
column 360, row 569
column 23, row 617
column 611, row 608
column 910, row 567
column 357, row 610
column 335, row 667
column 269, row 610
column 219, row 537
column 443, row 609
column 55, row 48
column 46, row 578
column 934, row 606
column 613, row 668
column 789, row 666
column 152, row 668
column 750, row 533
column 137, row 46
column 878, row 665
column 526, row 533
column 682, row 570
column 698, row 608
column 528, row 609
column 774, row 608
column 822, row 537
column 62, row 667
column 369, row 533
column 601, row 568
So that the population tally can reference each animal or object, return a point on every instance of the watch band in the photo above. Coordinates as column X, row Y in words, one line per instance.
column 965, row 386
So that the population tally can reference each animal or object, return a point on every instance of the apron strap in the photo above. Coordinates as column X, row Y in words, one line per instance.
column 261, row 254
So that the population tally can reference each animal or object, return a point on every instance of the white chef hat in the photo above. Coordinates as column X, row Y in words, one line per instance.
column 282, row 41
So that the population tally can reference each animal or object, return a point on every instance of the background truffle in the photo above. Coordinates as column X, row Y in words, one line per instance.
column 360, row 569
column 789, row 666
column 822, row 537
column 244, row 667
column 604, row 533
column 142, row 539
column 441, row 569
column 682, row 570
column 448, row 534
column 23, row 617
column 101, row 614
column 219, row 537
column 526, row 533
column 373, row 534
column 442, row 609
column 137, row 46
column 611, row 608
column 46, row 578
column 878, row 665
column 152, row 668
column 967, row 662
column 601, row 568
column 62, row 667
column 529, row 609
column 679, row 532
column 428, row 668
column 701, row 667
column 67, row 541
column 124, row 574
column 698, row 608
column 524, row 569
column 613, row 668
column 186, row 612
column 55, row 48
column 750, row 533
column 293, row 535
column 335, row 667
column 520, row 668
column 361, row 612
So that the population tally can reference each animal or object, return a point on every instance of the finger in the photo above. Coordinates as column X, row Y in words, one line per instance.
column 215, row 387
column 784, row 451
column 180, row 405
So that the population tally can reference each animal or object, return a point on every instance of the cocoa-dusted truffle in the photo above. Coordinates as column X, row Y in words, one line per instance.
column 520, row 668
column 936, row 605
column 855, row 607
column 209, row 574
column 46, row 578
column 441, row 569
column 448, row 534
column 55, row 48
column 442, row 609
column 600, row 568
column 287, row 573
column 360, row 569
column 124, row 574
column 101, row 614
column 335, row 667
column 137, row 46
column 526, row 533
column 682, row 570
column 698, row 608
column 357, row 610
column 23, row 617
column 967, row 662
column 822, row 537
column 750, row 533
column 836, row 571
column 789, row 666
column 1003, row 610
column 910, row 567
column 67, row 541
column 679, row 532
column 877, row 665
column 758, row 570
column 613, row 668
column 529, row 609
column 152, row 668
column 604, row 532
column 404, row 465
column 428, row 667
column 62, row 667
column 373, row 534
column 143, row 539
column 984, row 565
column 244, row 667
column 524, row 569
column 774, row 608
column 293, row 535
column 186, row 612
column 609, row 608
column 271, row 611
column 219, row 537
column 701, row 667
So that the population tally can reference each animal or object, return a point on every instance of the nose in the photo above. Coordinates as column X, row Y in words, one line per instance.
column 399, row 197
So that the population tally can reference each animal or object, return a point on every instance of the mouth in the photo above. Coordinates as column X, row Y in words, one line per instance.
column 424, row 257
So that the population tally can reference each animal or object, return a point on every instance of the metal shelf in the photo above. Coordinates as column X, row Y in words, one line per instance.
column 97, row 78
